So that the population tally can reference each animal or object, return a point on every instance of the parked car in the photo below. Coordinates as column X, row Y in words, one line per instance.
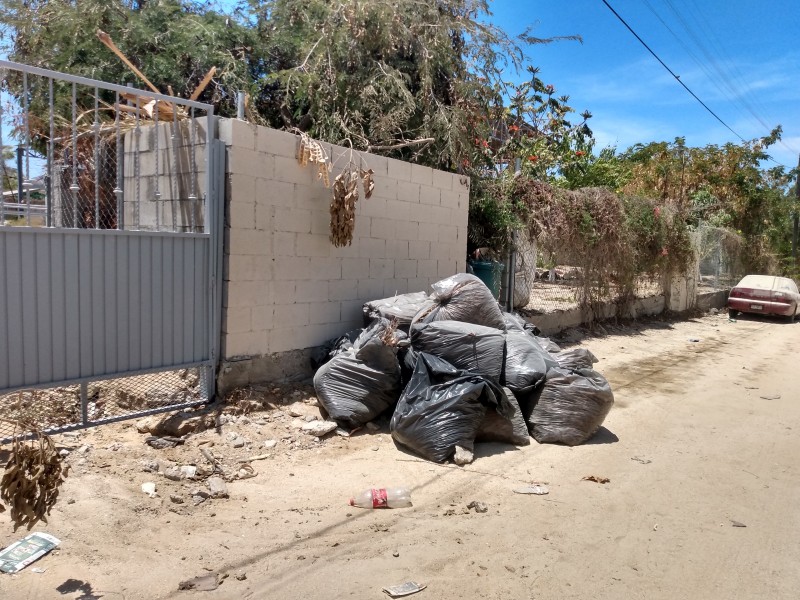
column 765, row 295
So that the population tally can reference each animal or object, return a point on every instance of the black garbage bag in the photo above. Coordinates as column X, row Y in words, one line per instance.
column 402, row 307
column 509, row 430
column 464, row 298
column 570, row 407
column 464, row 345
column 322, row 354
column 515, row 322
column 575, row 359
column 359, row 384
column 443, row 407
column 526, row 364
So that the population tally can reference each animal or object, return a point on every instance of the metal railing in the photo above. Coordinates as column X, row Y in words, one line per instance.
column 112, row 157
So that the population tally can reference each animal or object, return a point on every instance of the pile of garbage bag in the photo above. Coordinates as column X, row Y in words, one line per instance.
column 452, row 369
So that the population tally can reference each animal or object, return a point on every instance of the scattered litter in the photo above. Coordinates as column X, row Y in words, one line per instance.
column 27, row 550
column 770, row 397
column 38, row 570
column 161, row 443
column 694, row 339
column 257, row 457
column 644, row 461
column 538, row 489
column 596, row 479
column 479, row 507
column 382, row 498
column 655, row 527
column 149, row 488
column 341, row 432
column 404, row 589
column 737, row 524
column 395, row 554
column 246, row 472
column 204, row 583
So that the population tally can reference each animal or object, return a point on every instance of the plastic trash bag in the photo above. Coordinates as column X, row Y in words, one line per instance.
column 508, row 430
column 464, row 298
column 359, row 384
column 402, row 307
column 321, row 355
column 515, row 322
column 575, row 359
column 570, row 407
column 527, row 363
column 548, row 344
column 466, row 346
column 443, row 407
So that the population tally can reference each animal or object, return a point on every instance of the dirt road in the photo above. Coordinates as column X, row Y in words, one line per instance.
column 703, row 434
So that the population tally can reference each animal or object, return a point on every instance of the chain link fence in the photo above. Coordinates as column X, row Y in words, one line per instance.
column 547, row 282
column 719, row 253
column 95, row 158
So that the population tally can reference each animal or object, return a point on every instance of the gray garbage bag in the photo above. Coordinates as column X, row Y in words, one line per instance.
column 515, row 322
column 464, row 298
column 575, row 358
column 570, row 407
column 548, row 344
column 359, row 384
column 402, row 307
column 443, row 407
column 509, row 430
column 526, row 364
column 321, row 355
column 464, row 345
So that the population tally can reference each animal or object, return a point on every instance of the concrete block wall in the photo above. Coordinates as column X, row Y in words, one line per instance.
column 286, row 287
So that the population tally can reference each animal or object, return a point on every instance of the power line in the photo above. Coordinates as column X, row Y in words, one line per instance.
column 671, row 72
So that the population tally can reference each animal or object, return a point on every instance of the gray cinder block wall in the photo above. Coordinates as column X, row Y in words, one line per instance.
column 286, row 287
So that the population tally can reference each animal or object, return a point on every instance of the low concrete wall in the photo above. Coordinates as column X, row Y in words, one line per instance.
column 553, row 323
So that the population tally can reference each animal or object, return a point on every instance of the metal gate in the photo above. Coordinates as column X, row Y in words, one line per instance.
column 110, row 252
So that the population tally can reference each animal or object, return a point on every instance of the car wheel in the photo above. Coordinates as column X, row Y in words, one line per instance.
column 733, row 313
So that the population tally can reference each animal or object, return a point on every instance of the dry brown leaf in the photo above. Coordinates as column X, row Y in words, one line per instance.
column 596, row 479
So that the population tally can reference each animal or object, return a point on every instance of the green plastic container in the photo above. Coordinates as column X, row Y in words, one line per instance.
column 490, row 273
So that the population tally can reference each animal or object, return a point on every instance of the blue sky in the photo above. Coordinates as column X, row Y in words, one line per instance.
column 740, row 57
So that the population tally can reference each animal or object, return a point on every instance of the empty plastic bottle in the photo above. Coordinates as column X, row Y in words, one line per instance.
column 382, row 498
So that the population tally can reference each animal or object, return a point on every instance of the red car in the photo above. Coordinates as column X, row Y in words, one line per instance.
column 766, row 295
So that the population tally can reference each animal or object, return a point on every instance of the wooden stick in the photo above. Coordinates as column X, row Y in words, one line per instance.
column 106, row 39
column 203, row 84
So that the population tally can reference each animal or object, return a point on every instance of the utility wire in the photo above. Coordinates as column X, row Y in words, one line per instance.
column 671, row 72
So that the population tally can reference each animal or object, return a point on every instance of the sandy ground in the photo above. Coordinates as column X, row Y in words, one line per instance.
column 712, row 425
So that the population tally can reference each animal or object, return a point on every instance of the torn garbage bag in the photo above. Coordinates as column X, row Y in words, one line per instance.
column 402, row 307
column 575, row 358
column 321, row 355
column 464, row 345
column 515, row 322
column 508, row 430
column 548, row 344
column 443, row 407
column 360, row 383
column 526, row 364
column 571, row 406
column 464, row 298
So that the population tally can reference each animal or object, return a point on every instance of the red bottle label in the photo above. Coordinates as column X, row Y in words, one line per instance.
column 379, row 499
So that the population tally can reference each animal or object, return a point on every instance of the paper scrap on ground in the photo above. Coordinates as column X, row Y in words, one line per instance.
column 29, row 549
column 537, row 489
column 404, row 589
